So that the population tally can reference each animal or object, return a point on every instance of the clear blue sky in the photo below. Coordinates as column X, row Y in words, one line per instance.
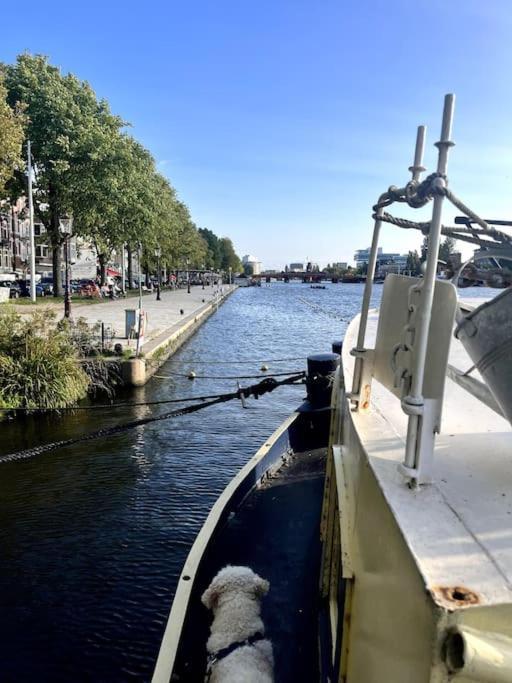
column 280, row 121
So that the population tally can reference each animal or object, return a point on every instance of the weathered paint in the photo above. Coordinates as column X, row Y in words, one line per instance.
column 427, row 561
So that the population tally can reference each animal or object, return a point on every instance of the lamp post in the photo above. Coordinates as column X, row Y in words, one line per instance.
column 202, row 278
column 230, row 269
column 158, row 253
column 31, row 224
column 188, row 277
column 65, row 228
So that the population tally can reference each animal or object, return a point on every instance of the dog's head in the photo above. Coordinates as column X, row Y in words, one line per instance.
column 234, row 579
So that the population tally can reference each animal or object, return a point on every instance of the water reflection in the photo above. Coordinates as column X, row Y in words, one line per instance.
column 93, row 536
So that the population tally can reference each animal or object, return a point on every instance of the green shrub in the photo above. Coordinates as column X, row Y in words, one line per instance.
column 38, row 364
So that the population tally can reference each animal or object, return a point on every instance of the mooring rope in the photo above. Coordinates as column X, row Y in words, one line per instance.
column 220, row 361
column 260, row 376
column 266, row 386
column 416, row 195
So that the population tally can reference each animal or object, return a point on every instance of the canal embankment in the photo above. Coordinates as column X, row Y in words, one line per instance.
column 161, row 341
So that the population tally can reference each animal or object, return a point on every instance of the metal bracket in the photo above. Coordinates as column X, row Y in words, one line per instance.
column 364, row 369
column 427, row 415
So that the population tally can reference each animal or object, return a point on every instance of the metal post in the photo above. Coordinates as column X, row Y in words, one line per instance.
column 188, row 279
column 359, row 350
column 102, row 337
column 31, row 225
column 139, row 326
column 67, row 294
column 123, row 271
column 415, row 398
column 159, row 279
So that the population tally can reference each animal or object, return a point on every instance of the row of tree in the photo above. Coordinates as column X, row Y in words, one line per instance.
column 87, row 165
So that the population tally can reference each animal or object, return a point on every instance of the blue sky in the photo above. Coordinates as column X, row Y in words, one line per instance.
column 280, row 122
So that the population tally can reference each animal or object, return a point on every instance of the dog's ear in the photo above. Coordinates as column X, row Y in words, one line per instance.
column 209, row 597
column 260, row 586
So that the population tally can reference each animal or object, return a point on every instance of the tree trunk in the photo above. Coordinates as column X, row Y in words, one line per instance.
column 55, row 242
column 130, row 266
column 103, row 269
column 58, row 289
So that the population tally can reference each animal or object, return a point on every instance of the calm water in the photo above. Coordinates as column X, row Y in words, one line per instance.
column 93, row 537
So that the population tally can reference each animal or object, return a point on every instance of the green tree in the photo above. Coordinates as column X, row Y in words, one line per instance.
column 71, row 133
column 446, row 249
column 229, row 258
column 214, row 254
column 413, row 264
column 12, row 121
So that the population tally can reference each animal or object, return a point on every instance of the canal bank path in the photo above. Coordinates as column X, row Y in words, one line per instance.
column 175, row 307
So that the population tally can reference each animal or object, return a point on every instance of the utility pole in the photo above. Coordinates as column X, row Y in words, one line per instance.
column 31, row 226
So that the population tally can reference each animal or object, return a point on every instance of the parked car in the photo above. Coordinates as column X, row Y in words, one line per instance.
column 15, row 289
column 47, row 284
column 25, row 288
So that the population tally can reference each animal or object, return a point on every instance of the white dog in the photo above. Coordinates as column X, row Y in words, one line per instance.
column 237, row 650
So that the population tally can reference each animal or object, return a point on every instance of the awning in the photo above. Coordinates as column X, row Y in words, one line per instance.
column 111, row 272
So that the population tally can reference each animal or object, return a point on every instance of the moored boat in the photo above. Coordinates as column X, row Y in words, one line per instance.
column 398, row 559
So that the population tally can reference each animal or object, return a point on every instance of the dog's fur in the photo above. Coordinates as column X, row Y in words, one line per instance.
column 234, row 596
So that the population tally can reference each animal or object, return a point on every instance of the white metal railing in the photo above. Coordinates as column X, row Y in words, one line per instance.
column 421, row 421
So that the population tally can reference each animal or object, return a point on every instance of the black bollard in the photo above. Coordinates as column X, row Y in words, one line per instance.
column 337, row 346
column 321, row 368
column 182, row 311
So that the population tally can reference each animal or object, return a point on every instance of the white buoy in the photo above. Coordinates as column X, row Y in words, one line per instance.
column 264, row 368
column 191, row 375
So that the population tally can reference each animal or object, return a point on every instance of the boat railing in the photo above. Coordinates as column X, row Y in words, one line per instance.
column 427, row 306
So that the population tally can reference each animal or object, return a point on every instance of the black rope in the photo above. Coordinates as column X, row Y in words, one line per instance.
column 256, row 390
column 260, row 376
column 219, row 361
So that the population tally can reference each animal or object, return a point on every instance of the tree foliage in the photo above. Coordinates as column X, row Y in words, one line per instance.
column 413, row 265
column 11, row 137
column 446, row 249
column 88, row 166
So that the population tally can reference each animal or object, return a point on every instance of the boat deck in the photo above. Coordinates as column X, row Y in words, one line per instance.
column 276, row 533
column 465, row 516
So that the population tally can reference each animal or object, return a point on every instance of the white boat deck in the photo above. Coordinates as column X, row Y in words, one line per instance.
column 459, row 528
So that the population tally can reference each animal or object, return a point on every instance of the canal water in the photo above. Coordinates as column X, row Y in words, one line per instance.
column 93, row 536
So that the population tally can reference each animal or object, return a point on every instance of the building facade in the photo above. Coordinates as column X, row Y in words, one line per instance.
column 387, row 262
column 252, row 266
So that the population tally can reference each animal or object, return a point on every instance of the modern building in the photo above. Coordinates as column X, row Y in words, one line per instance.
column 252, row 266
column 340, row 265
column 296, row 268
column 386, row 261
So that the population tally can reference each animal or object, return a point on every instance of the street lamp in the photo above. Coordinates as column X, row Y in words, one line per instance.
column 202, row 278
column 65, row 229
column 158, row 253
column 230, row 269
column 188, row 277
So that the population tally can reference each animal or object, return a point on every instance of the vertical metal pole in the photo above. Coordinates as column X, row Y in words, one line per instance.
column 31, row 225
column 67, row 298
column 123, row 271
column 139, row 326
column 427, row 288
column 159, row 280
column 415, row 169
column 102, row 337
